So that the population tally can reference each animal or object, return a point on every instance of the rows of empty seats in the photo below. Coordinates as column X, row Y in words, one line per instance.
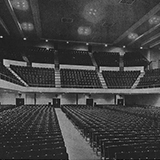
column 120, row 79
column 39, row 55
column 6, row 107
column 31, row 132
column 36, row 77
column 150, row 79
column 5, row 74
column 134, row 59
column 73, row 78
column 116, row 135
column 73, row 57
column 106, row 59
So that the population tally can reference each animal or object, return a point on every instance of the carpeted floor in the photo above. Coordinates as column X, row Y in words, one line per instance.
column 77, row 147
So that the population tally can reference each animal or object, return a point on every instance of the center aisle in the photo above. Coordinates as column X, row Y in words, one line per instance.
column 77, row 147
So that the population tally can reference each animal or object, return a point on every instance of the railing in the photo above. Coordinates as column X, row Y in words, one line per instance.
column 10, row 79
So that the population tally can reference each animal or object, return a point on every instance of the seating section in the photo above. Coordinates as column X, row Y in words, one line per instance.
column 134, row 59
column 36, row 77
column 5, row 74
column 120, row 79
column 115, row 132
column 150, row 79
column 72, row 78
column 73, row 57
column 110, row 59
column 39, row 55
column 31, row 132
column 6, row 107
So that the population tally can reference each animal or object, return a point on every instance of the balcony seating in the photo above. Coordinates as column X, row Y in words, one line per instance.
column 150, row 79
column 40, row 55
column 5, row 74
column 73, row 57
column 31, row 132
column 115, row 133
column 120, row 79
column 134, row 59
column 72, row 78
column 109, row 59
column 36, row 77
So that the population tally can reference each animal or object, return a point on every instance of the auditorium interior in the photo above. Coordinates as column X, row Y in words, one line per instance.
column 80, row 79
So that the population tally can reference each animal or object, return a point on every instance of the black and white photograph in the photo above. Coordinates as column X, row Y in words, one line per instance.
column 80, row 79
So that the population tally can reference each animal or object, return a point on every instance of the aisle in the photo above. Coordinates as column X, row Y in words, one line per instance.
column 77, row 147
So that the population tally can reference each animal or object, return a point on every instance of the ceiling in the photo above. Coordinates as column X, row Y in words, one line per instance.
column 93, row 21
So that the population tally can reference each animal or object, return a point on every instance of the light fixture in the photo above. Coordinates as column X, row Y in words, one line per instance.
column 27, row 26
column 124, row 46
column 47, row 49
column 106, row 45
column 46, row 40
column 154, row 20
column 1, row 36
column 141, row 47
column 132, row 36
column 20, row 4
column 84, row 30
column 24, row 39
column 87, row 44
column 67, row 42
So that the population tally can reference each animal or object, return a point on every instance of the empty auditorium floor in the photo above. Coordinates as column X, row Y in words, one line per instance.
column 77, row 147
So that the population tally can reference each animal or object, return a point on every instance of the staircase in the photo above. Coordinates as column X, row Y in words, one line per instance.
column 138, row 80
column 57, row 78
column 16, row 75
column 102, row 80
column 93, row 60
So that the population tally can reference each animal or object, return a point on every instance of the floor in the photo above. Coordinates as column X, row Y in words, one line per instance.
column 77, row 147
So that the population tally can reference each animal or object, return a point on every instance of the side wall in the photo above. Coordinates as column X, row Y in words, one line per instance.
column 153, row 99
column 43, row 98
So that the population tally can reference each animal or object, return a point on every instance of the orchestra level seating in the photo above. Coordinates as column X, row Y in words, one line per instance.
column 115, row 132
column 31, row 132
column 75, row 78
column 150, row 79
column 120, row 79
column 36, row 77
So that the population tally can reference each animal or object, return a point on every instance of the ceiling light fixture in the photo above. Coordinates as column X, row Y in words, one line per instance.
column 141, row 47
column 132, row 36
column 20, row 4
column 27, row 26
column 1, row 36
column 154, row 20
column 24, row 39
column 46, row 40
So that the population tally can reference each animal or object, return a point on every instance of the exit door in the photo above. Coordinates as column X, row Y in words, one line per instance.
column 89, row 101
column 56, row 102
column 19, row 101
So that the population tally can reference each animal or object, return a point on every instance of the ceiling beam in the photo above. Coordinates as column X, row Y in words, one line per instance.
column 11, row 10
column 144, row 34
column 138, row 23
column 155, row 44
column 4, row 26
column 151, row 39
column 36, row 17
